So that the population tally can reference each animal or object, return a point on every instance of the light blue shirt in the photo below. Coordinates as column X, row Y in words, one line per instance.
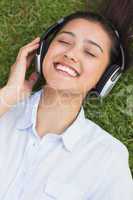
column 83, row 163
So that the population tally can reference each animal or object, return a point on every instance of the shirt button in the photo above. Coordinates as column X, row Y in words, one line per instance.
column 35, row 145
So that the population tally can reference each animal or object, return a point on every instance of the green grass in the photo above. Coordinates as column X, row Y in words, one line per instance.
column 21, row 21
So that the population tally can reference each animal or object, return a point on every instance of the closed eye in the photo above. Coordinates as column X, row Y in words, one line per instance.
column 90, row 54
column 64, row 42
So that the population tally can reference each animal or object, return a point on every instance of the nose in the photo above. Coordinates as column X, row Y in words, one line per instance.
column 71, row 55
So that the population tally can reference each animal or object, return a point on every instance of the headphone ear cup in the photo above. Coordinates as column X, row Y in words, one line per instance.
column 45, row 45
column 108, row 80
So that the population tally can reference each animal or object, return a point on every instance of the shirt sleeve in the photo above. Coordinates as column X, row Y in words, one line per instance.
column 118, row 182
column 121, row 184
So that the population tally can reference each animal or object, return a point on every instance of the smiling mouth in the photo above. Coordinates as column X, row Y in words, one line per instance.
column 65, row 70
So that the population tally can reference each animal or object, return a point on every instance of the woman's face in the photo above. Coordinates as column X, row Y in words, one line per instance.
column 77, row 57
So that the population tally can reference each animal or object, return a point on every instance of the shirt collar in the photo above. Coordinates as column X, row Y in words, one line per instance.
column 69, row 137
column 75, row 131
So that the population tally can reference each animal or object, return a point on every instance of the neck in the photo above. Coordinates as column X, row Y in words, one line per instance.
column 56, row 110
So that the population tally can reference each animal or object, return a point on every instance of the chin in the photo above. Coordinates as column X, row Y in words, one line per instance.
column 61, row 86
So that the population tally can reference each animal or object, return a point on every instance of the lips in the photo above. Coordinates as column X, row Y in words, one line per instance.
column 64, row 67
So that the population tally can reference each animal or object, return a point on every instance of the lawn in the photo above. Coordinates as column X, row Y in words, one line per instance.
column 21, row 21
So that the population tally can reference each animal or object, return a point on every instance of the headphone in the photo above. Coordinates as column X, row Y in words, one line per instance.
column 111, row 74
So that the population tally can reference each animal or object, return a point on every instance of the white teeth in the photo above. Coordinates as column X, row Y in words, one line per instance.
column 66, row 69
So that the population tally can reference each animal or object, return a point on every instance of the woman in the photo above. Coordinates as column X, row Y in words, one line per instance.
column 49, row 150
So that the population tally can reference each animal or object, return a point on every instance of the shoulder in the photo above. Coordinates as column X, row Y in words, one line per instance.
column 106, row 151
column 109, row 164
column 105, row 142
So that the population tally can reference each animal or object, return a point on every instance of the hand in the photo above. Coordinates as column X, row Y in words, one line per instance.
column 17, row 87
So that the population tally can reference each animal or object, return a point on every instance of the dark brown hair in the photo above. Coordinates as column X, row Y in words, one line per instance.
column 120, row 14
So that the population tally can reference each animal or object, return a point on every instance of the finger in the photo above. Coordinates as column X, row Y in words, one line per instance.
column 26, row 50
column 30, row 58
column 30, row 50
column 22, row 63
column 36, row 40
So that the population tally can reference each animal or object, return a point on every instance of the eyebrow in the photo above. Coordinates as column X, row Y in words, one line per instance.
column 88, row 41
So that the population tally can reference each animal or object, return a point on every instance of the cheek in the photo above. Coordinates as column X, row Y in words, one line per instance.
column 96, row 69
column 92, row 74
column 53, row 53
column 47, row 62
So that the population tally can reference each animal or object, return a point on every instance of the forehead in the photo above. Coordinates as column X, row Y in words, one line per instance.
column 85, row 29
